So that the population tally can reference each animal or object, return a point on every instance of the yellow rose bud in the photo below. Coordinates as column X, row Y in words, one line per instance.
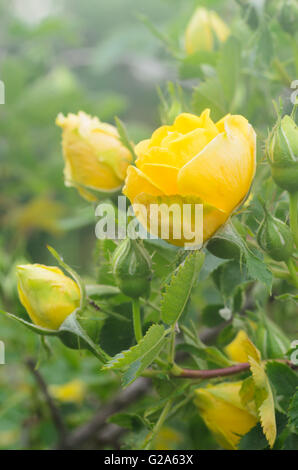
column 203, row 30
column 95, row 159
column 47, row 294
column 71, row 392
column 235, row 350
column 194, row 161
column 224, row 413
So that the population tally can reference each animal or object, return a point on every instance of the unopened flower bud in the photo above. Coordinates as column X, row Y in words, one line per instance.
column 224, row 413
column 275, row 238
column 95, row 159
column 282, row 151
column 204, row 30
column 288, row 16
column 47, row 294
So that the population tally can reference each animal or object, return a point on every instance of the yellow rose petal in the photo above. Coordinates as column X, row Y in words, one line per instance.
column 223, row 412
column 213, row 218
column 221, row 174
column 136, row 182
column 94, row 156
column 159, row 135
column 142, row 147
column 81, row 167
column 198, row 34
column 189, row 145
column 236, row 350
column 47, row 294
column 164, row 176
column 219, row 27
column 160, row 155
column 221, row 123
column 187, row 122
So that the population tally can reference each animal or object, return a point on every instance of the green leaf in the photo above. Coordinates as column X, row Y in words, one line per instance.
column 229, row 277
column 164, row 256
column 264, row 400
column 287, row 298
column 253, row 440
column 293, row 412
column 256, row 268
column 211, row 316
column 37, row 329
column 72, row 335
column 291, row 442
column 140, row 356
column 265, row 44
column 284, row 381
column 228, row 67
column 178, row 291
column 211, row 263
column 247, row 391
column 191, row 65
column 130, row 421
column 209, row 95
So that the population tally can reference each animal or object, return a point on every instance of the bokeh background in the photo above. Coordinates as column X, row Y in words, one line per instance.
column 64, row 56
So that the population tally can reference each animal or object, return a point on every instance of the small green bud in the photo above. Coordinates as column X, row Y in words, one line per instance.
column 288, row 16
column 282, row 150
column 275, row 238
column 132, row 268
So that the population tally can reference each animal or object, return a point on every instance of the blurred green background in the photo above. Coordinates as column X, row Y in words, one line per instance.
column 63, row 56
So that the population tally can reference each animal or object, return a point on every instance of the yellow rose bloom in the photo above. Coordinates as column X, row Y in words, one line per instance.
column 194, row 161
column 95, row 159
column 71, row 392
column 204, row 28
column 47, row 294
column 236, row 350
column 224, row 413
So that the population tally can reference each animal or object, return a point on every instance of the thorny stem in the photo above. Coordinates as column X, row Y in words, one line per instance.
column 171, row 356
column 293, row 272
column 147, row 443
column 137, row 319
column 223, row 372
column 204, row 374
column 294, row 216
column 55, row 412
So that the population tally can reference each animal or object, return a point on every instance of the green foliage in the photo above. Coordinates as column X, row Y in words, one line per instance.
column 228, row 69
column 229, row 244
column 293, row 412
column 139, row 357
column 284, row 381
column 121, row 59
